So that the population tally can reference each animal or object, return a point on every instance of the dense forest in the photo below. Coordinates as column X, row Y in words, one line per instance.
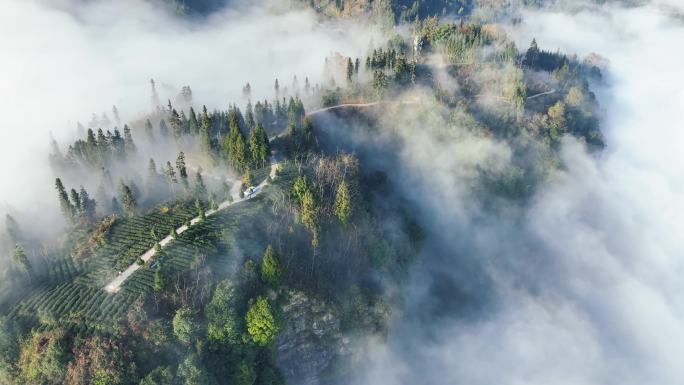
column 257, row 243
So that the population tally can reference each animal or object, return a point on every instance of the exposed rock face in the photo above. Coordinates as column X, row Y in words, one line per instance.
column 310, row 339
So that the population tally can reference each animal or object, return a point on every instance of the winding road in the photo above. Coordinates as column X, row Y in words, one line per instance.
column 115, row 284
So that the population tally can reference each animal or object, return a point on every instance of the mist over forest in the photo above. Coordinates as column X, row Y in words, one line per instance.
column 341, row 192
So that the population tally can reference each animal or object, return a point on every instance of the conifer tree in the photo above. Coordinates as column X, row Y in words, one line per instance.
column 151, row 170
column 88, row 205
column 75, row 203
column 170, row 174
column 236, row 147
column 115, row 113
column 149, row 131
column 204, row 131
column 213, row 204
column 259, row 145
column 154, row 97
column 200, row 188
column 343, row 203
column 175, row 122
column 65, row 205
column 19, row 257
column 311, row 215
column 271, row 269
column 193, row 125
column 159, row 281
column 182, row 171
column 185, row 124
column 249, row 116
column 118, row 145
column 129, row 145
column 128, row 200
column 350, row 70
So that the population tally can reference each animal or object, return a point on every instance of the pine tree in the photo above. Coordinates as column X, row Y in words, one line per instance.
column 200, row 210
column 259, row 145
column 151, row 170
column 357, row 64
column 149, row 131
column 204, row 131
column 155, row 97
column 75, row 203
column 115, row 112
column 193, row 125
column 159, row 281
column 128, row 200
column 212, row 201
column 128, row 140
column 118, row 145
column 277, row 88
column 88, row 205
column 65, row 205
column 182, row 171
column 271, row 269
column 343, row 205
column 200, row 188
column 350, row 70
column 185, row 124
column 311, row 215
column 19, row 257
column 176, row 124
column 235, row 146
column 170, row 174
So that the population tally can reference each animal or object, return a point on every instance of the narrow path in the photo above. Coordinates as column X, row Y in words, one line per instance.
column 115, row 285
column 541, row 94
column 344, row 105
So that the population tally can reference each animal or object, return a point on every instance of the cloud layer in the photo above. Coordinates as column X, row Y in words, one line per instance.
column 64, row 60
column 586, row 282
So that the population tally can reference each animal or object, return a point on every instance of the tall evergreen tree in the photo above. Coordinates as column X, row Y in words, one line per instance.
column 236, row 147
column 204, row 131
column 350, row 70
column 75, row 203
column 193, row 125
column 88, row 205
column 259, row 145
column 149, row 131
column 271, row 269
column 170, row 173
column 151, row 170
column 128, row 200
column 176, row 124
column 65, row 205
column 118, row 145
column 200, row 188
column 182, row 170
column 343, row 204
column 129, row 145
column 19, row 257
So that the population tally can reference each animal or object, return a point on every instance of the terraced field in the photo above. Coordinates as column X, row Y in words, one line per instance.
column 73, row 295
